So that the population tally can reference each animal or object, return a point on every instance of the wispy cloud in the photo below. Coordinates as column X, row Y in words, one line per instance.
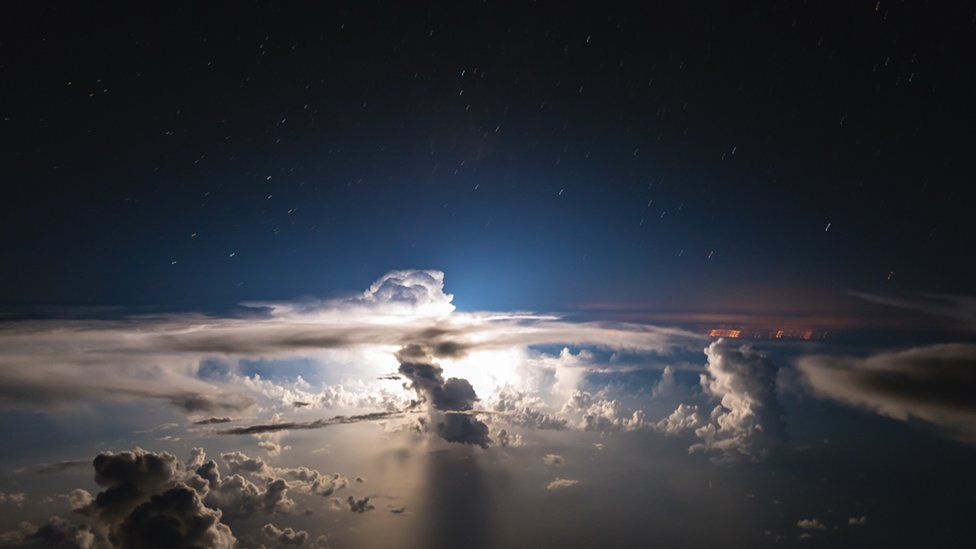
column 935, row 383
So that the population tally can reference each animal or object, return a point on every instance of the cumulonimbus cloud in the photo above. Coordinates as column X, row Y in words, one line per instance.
column 747, row 422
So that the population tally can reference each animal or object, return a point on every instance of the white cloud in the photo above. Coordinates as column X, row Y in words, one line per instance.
column 684, row 418
column 747, row 421
column 560, row 483
column 554, row 460
column 810, row 524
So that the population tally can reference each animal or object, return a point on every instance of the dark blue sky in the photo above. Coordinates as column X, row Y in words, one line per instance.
column 678, row 158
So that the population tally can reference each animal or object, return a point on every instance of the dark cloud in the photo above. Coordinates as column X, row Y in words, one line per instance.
column 60, row 467
column 450, row 349
column 175, row 518
column 129, row 478
column 154, row 500
column 416, row 364
column 359, row 505
column 214, row 420
column 509, row 440
column 445, row 397
column 936, row 384
column 56, row 533
column 455, row 394
column 148, row 500
column 462, row 428
column 197, row 403
column 317, row 424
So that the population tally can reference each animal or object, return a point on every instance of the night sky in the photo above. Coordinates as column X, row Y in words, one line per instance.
column 495, row 238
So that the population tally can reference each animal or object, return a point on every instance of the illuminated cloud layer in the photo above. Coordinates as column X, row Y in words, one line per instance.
column 55, row 365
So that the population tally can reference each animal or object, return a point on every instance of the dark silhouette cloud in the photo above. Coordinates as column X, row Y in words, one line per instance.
column 359, row 505
column 462, row 428
column 214, row 420
column 196, row 403
column 317, row 424
column 445, row 397
column 175, row 518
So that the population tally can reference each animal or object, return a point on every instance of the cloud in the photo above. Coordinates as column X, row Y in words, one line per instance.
column 284, row 537
column 445, row 397
column 14, row 498
column 426, row 378
column 239, row 497
column 214, row 420
column 935, row 383
column 241, row 463
column 666, row 385
column 301, row 425
column 747, row 422
column 359, row 505
column 684, row 418
column 602, row 414
column 211, row 403
column 57, row 467
column 520, row 409
column 63, row 364
column 79, row 499
column 272, row 448
column 423, row 290
column 857, row 521
column 175, row 518
column 509, row 440
column 810, row 524
column 130, row 478
column 560, row 483
column 554, row 460
column 57, row 533
column 152, row 499
column 148, row 500
column 961, row 308
column 462, row 428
